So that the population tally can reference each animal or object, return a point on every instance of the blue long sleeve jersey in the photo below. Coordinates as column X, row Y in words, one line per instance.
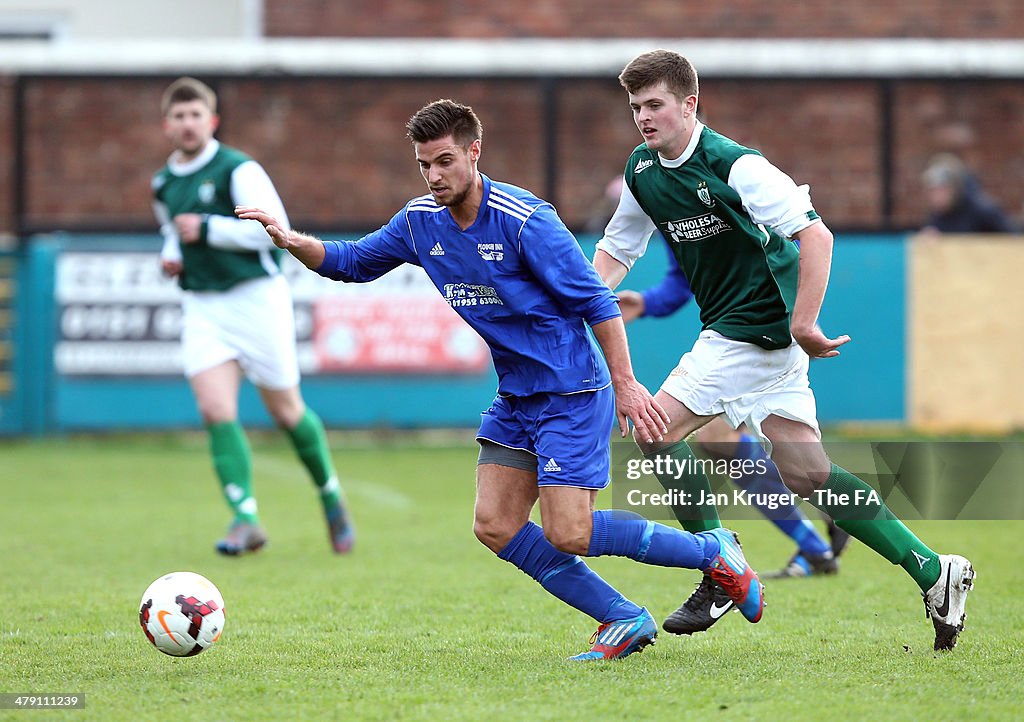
column 517, row 276
column 670, row 294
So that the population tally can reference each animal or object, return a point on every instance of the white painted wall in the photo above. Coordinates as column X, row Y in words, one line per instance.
column 78, row 20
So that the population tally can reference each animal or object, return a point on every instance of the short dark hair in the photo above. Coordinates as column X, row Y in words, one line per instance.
column 651, row 68
column 442, row 118
column 185, row 90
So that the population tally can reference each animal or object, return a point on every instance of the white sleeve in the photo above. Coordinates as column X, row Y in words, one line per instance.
column 250, row 186
column 627, row 233
column 770, row 197
column 171, row 250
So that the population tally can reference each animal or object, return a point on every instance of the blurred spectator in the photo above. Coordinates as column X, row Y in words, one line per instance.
column 956, row 202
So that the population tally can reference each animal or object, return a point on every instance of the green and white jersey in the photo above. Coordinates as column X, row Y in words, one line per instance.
column 727, row 214
column 229, row 250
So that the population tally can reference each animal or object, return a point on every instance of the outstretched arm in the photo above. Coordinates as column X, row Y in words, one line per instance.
column 360, row 261
column 309, row 250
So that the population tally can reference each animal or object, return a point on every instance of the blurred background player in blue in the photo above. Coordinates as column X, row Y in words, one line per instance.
column 717, row 439
column 505, row 262
column 237, row 313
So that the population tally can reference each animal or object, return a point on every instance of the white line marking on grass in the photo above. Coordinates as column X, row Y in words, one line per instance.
column 292, row 470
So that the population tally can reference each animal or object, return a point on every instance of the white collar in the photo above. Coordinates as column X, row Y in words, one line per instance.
column 698, row 128
column 182, row 168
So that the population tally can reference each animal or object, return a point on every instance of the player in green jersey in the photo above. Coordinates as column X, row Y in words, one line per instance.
column 727, row 214
column 237, row 316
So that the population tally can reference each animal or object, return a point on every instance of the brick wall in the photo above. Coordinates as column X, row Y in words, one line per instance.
column 335, row 147
column 980, row 121
column 6, row 155
column 90, row 148
column 337, row 152
column 664, row 19
column 812, row 131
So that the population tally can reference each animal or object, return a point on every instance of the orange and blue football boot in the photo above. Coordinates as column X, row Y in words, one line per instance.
column 243, row 537
column 731, row 571
column 615, row 640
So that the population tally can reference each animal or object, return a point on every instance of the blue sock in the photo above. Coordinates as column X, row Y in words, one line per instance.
column 566, row 576
column 625, row 534
column 787, row 517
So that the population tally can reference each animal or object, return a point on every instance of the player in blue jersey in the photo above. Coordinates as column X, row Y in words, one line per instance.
column 506, row 263
column 717, row 439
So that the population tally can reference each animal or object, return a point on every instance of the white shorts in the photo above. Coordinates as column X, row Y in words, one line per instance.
column 745, row 382
column 252, row 323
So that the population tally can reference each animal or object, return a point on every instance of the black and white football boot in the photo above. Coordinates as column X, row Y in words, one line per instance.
column 708, row 603
column 944, row 602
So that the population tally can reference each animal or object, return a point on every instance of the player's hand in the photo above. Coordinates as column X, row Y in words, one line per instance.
column 634, row 403
column 631, row 304
column 171, row 268
column 277, row 232
column 817, row 344
column 188, row 226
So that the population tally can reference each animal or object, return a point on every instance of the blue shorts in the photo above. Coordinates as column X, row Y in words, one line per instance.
column 569, row 434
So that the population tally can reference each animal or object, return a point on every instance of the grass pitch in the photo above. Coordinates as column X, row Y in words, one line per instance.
column 422, row 622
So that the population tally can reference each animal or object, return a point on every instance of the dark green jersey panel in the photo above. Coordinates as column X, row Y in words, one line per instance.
column 207, row 191
column 743, row 276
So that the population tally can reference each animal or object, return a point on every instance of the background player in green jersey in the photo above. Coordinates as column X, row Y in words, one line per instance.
column 727, row 213
column 237, row 312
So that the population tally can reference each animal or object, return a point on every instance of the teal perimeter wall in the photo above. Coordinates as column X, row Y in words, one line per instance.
column 866, row 299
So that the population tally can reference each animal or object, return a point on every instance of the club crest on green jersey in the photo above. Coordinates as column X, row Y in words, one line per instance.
column 705, row 194
column 207, row 191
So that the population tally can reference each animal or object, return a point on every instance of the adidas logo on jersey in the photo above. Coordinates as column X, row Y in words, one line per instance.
column 642, row 166
column 551, row 466
column 437, row 250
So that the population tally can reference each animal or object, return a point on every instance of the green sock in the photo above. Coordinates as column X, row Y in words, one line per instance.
column 310, row 444
column 232, row 460
column 683, row 471
column 883, row 533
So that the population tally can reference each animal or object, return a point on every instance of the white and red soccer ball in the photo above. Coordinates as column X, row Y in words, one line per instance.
column 182, row 613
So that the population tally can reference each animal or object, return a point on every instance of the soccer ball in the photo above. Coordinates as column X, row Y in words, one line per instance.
column 182, row 613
